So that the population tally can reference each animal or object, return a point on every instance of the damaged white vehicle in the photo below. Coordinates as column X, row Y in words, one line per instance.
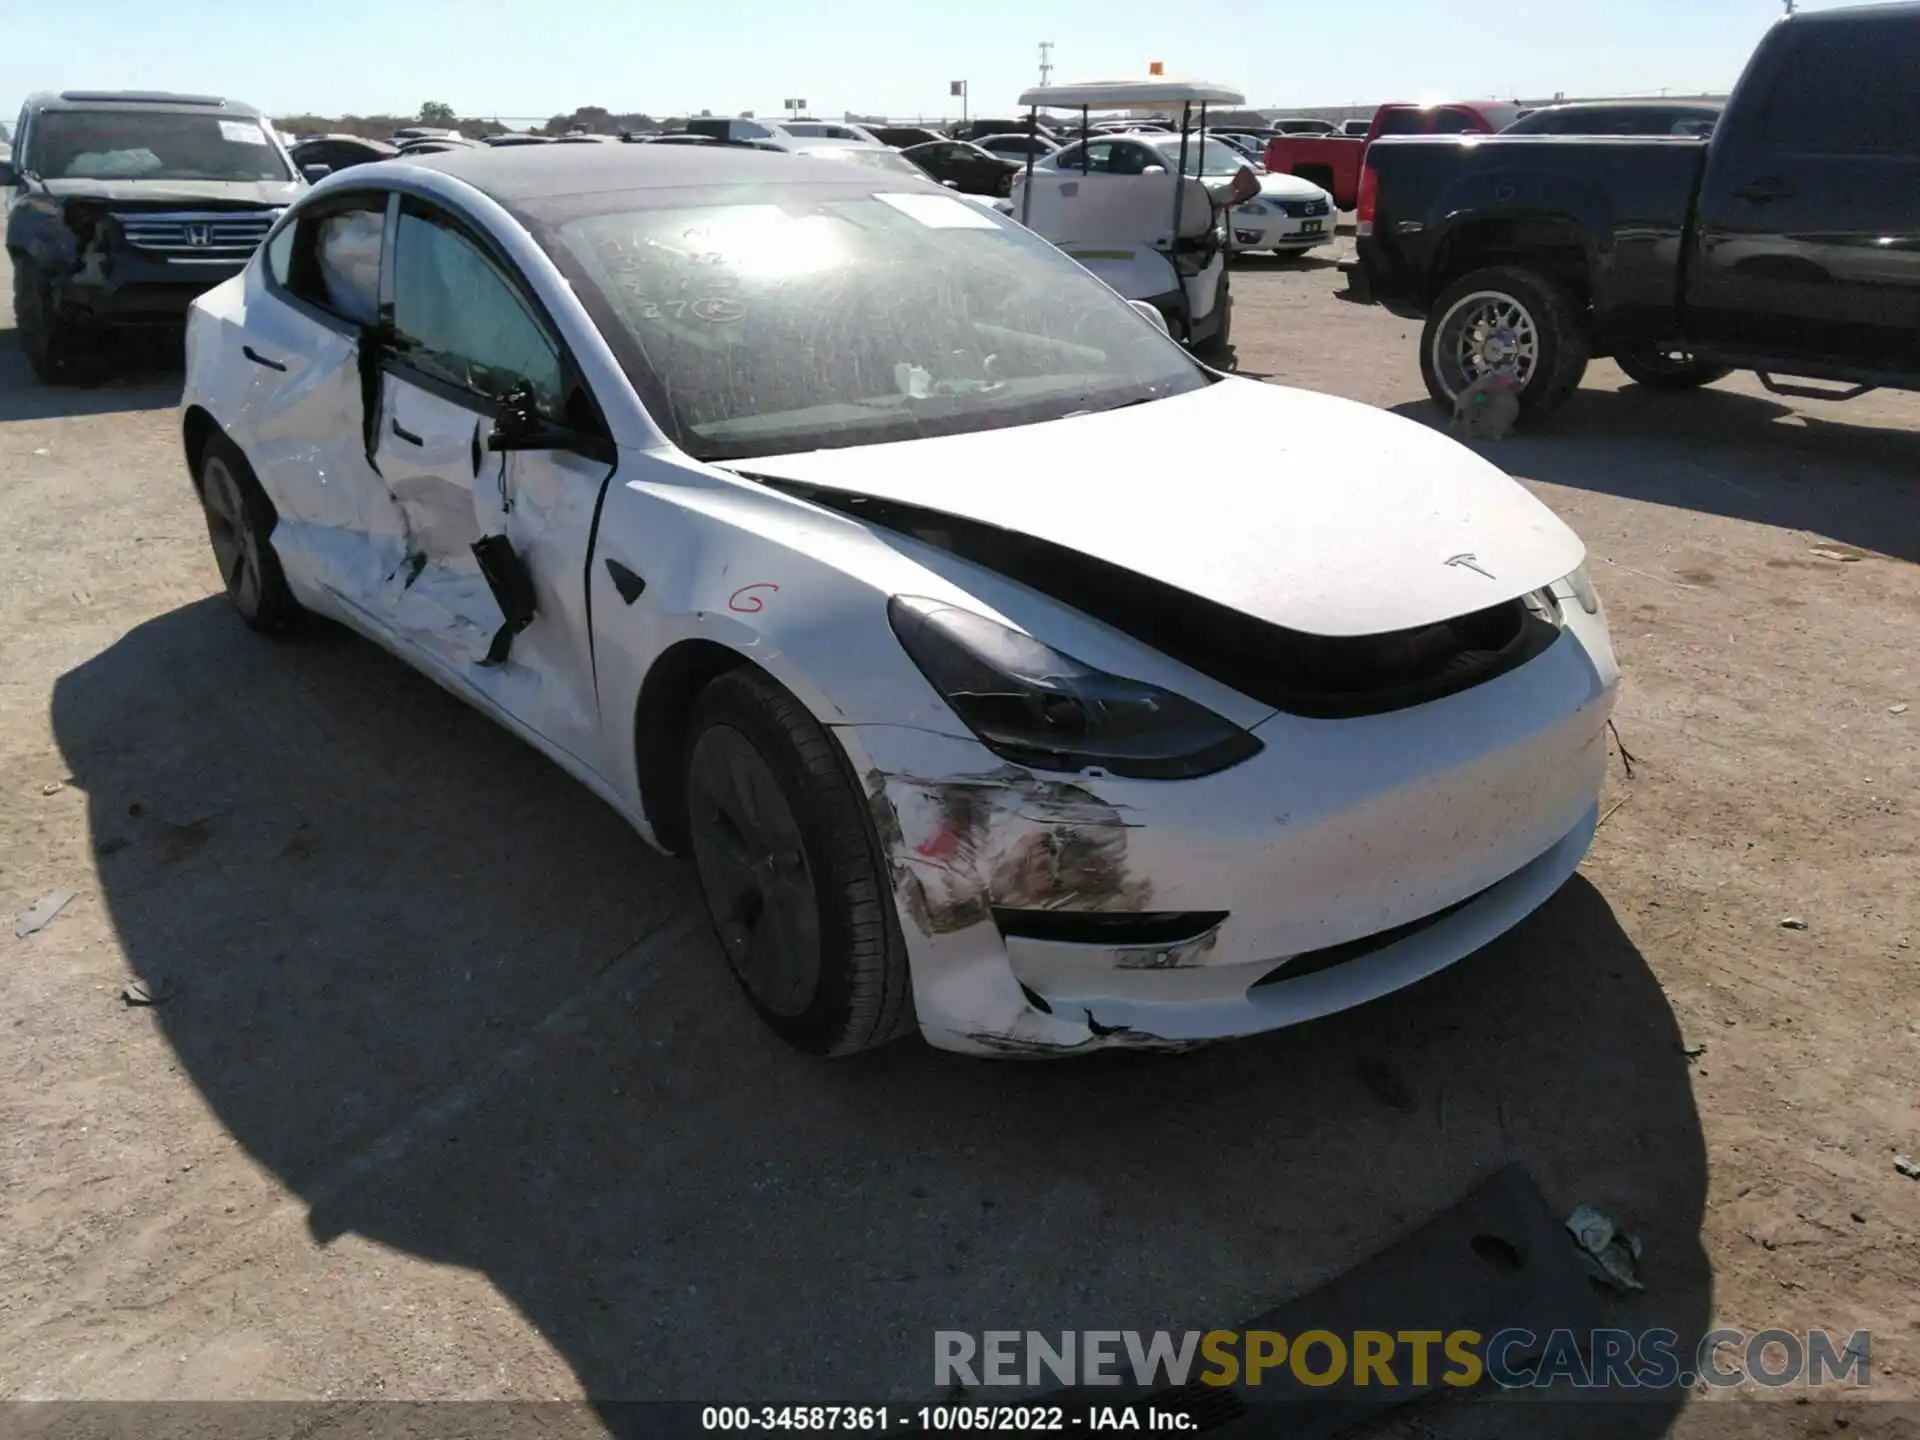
column 852, row 540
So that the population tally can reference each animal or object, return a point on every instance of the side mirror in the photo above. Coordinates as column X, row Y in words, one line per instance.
column 1154, row 170
column 951, row 184
column 1149, row 312
column 9, row 177
column 316, row 173
column 522, row 427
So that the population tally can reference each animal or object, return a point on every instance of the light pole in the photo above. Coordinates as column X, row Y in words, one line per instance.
column 959, row 87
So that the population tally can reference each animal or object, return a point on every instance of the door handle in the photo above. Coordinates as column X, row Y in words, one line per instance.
column 259, row 359
column 406, row 434
column 1760, row 192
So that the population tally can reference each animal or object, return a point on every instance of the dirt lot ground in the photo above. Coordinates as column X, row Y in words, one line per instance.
column 453, row 1098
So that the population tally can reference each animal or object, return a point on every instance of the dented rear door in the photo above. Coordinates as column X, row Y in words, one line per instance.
column 301, row 341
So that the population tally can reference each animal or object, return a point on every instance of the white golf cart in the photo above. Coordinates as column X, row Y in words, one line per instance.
column 1155, row 237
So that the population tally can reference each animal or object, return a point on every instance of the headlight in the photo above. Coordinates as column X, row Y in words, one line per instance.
column 1252, row 207
column 1578, row 587
column 1031, row 704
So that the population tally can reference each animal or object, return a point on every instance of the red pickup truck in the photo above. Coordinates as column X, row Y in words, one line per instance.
column 1333, row 162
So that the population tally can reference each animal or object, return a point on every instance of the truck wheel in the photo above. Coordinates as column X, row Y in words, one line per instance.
column 1503, row 318
column 1659, row 368
column 60, row 351
column 800, row 895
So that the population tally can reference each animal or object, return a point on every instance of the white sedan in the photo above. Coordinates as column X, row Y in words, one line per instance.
column 853, row 541
column 1289, row 217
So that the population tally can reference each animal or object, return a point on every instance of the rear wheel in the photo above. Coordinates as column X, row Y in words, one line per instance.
column 1665, row 368
column 1503, row 318
column 792, row 873
column 240, row 521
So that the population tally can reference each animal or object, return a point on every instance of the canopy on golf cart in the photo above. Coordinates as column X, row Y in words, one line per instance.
column 1118, row 94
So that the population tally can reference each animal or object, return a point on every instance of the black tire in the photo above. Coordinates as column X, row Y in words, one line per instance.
column 855, row 991
column 60, row 350
column 1552, row 314
column 240, row 520
column 1661, row 369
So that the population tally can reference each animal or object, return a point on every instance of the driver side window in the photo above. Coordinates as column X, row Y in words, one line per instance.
column 1095, row 155
column 459, row 319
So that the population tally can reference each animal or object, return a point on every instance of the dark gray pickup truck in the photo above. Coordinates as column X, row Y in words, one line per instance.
column 1787, row 244
column 125, row 206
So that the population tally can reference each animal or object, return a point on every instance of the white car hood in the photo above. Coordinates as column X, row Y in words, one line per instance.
column 1288, row 187
column 1303, row 510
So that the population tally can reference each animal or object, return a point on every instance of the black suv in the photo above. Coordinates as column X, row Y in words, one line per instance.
column 126, row 206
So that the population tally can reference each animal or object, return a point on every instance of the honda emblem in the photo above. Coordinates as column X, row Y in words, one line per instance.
column 199, row 236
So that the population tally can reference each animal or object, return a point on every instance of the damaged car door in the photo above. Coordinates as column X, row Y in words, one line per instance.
column 307, row 352
column 496, row 458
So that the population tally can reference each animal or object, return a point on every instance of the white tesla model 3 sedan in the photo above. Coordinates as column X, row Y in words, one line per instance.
column 848, row 538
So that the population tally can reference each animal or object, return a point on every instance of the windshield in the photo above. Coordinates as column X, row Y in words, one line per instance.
column 1216, row 157
column 152, row 145
column 818, row 317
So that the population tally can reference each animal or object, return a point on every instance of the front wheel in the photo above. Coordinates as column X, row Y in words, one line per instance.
column 791, row 869
column 1663, row 368
column 60, row 349
column 1504, row 318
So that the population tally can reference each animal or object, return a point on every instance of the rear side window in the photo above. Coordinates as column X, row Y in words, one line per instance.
column 330, row 257
column 1848, row 89
column 1457, row 122
column 1400, row 122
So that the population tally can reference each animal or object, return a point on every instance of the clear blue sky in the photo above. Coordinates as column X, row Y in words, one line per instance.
column 540, row 57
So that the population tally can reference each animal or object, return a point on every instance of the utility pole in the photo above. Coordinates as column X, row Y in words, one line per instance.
column 1789, row 4
column 1046, row 59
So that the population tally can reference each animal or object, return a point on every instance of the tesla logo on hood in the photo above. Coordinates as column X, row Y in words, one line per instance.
column 1469, row 561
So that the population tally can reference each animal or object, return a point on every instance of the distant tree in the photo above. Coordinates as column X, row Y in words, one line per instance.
column 438, row 113
column 594, row 119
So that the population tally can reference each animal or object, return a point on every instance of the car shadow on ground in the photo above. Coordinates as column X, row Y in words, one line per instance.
column 411, row 975
column 140, row 371
column 1725, row 453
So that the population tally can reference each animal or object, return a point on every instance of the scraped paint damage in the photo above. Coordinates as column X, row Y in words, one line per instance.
column 959, row 847
column 1100, row 1037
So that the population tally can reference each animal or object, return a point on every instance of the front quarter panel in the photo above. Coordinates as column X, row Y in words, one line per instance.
column 798, row 592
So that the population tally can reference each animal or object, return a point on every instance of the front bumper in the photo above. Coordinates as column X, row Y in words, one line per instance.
column 1365, row 853
column 130, row 289
column 1281, row 232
